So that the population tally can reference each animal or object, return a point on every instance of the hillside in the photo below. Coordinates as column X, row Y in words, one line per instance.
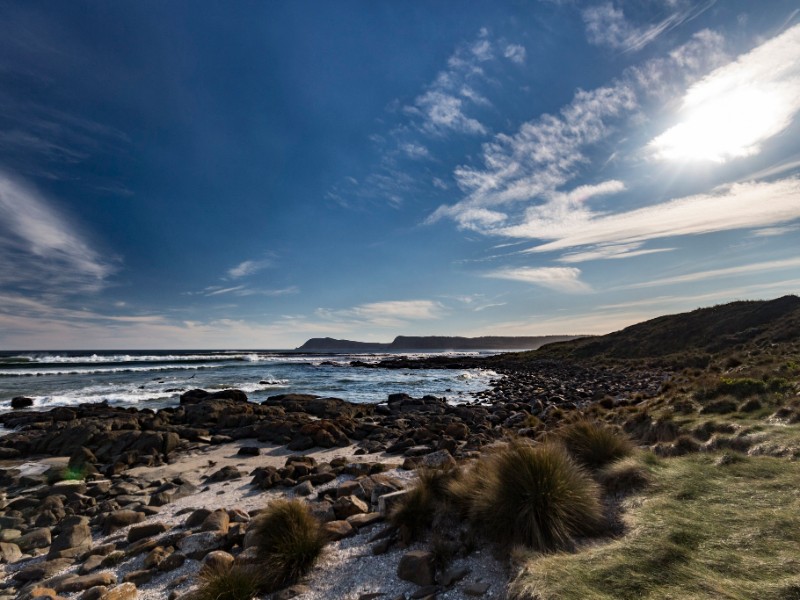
column 717, row 329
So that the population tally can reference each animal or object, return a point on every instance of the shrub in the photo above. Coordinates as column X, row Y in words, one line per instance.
column 535, row 496
column 594, row 444
column 289, row 542
column 234, row 582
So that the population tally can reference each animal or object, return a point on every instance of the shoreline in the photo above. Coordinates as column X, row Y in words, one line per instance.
column 160, row 464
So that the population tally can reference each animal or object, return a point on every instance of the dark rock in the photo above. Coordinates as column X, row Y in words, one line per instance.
column 42, row 570
column 249, row 451
column 337, row 530
column 21, row 402
column 417, row 567
column 224, row 474
column 74, row 540
column 37, row 538
column 147, row 530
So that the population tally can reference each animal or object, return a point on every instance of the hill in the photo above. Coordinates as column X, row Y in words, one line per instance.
column 433, row 343
column 714, row 330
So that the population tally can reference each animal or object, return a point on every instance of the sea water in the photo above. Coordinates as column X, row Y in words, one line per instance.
column 155, row 379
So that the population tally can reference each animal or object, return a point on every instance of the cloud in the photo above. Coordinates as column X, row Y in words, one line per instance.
column 548, row 152
column 760, row 267
column 738, row 206
column 733, row 110
column 248, row 267
column 607, row 26
column 243, row 290
column 415, row 150
column 41, row 252
column 775, row 231
column 444, row 111
column 560, row 279
column 610, row 252
column 515, row 53
column 444, row 105
column 390, row 313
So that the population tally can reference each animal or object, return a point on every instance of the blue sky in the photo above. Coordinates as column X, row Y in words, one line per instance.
column 251, row 174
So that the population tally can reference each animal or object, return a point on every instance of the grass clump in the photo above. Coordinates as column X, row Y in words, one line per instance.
column 594, row 444
column 289, row 542
column 535, row 496
column 625, row 476
column 415, row 513
column 234, row 582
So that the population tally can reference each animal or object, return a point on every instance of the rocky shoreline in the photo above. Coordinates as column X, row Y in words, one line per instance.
column 111, row 519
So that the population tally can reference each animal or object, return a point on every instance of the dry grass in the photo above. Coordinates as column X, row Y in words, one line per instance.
column 235, row 582
column 289, row 542
column 710, row 528
column 535, row 496
column 594, row 444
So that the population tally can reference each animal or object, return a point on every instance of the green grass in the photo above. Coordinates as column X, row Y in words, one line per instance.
column 534, row 496
column 701, row 530
column 235, row 582
column 289, row 542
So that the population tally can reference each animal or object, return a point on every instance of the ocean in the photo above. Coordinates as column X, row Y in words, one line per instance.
column 155, row 379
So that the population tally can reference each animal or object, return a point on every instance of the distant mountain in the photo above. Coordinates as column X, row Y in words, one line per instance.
column 433, row 343
column 706, row 330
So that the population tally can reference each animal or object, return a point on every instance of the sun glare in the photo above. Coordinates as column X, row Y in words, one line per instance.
column 726, row 126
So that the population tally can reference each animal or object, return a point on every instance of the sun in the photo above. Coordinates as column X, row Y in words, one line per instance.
column 723, row 126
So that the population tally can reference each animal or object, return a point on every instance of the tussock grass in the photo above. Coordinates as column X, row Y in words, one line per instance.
column 710, row 528
column 289, row 542
column 625, row 476
column 235, row 582
column 594, row 444
column 417, row 510
column 535, row 496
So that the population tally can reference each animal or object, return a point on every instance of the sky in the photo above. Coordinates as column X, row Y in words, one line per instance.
column 251, row 174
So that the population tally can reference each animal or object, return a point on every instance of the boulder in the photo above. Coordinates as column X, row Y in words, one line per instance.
column 218, row 559
column 147, row 530
column 121, row 518
column 417, row 567
column 198, row 545
column 219, row 520
column 21, row 402
column 36, row 538
column 124, row 591
column 74, row 540
column 84, row 582
column 42, row 570
column 337, row 530
column 224, row 474
column 9, row 553
column 348, row 506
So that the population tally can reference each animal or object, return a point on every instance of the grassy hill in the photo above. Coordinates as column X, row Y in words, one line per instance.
column 686, row 339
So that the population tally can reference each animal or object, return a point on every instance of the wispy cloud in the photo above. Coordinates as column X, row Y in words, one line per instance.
column 606, row 25
column 759, row 267
column 249, row 267
column 738, row 206
column 610, row 252
column 41, row 252
column 560, row 279
column 546, row 153
column 390, row 313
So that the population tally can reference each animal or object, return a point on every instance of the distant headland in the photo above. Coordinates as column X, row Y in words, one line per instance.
column 403, row 343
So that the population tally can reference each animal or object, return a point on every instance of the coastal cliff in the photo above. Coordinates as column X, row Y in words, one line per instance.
column 403, row 343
